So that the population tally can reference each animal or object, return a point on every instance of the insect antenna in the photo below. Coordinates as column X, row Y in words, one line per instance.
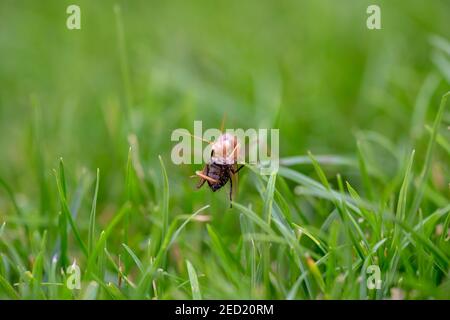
column 205, row 177
column 195, row 137
column 234, row 150
column 222, row 125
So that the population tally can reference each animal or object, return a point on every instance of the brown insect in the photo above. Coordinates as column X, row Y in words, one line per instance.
column 222, row 167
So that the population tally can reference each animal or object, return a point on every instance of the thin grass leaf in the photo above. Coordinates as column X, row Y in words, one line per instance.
column 91, row 235
column 254, row 217
column 11, row 196
column 250, row 255
column 65, row 208
column 364, row 173
column 443, row 260
column 319, row 243
column 440, row 139
column 38, row 268
column 195, row 287
column 165, row 200
column 268, row 197
column 175, row 233
column 322, row 159
column 171, row 236
column 8, row 289
column 300, row 178
column 17, row 209
column 111, row 290
column 129, row 187
column 2, row 229
column 230, row 264
column 52, row 290
column 422, row 103
column 428, row 158
column 268, row 206
column 319, row 171
column 134, row 257
column 314, row 270
column 104, row 237
column 369, row 215
column 350, row 223
column 401, row 203
column 63, row 240
column 118, row 270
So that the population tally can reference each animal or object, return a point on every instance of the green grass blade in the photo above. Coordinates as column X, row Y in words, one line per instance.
column 165, row 200
column 38, row 269
column 104, row 236
column 112, row 290
column 428, row 158
column 268, row 206
column 134, row 257
column 443, row 260
column 319, row 171
column 2, row 229
column 63, row 240
column 422, row 102
column 254, row 217
column 323, row 160
column 19, row 212
column 65, row 208
column 364, row 173
column 317, row 241
column 8, row 289
column 402, row 203
column 230, row 265
column 195, row 287
column 129, row 188
column 268, row 198
column 169, row 239
column 91, row 235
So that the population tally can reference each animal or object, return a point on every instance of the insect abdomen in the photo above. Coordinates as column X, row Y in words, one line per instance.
column 219, row 173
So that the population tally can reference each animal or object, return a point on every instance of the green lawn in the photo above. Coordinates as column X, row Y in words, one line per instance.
column 86, row 177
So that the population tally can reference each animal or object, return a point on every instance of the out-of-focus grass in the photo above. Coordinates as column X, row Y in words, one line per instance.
column 372, row 191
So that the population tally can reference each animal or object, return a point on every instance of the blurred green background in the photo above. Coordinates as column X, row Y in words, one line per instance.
column 315, row 61
column 132, row 75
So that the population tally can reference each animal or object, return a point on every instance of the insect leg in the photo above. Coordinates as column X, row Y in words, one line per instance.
column 234, row 150
column 205, row 177
column 236, row 171
column 200, row 183
column 231, row 192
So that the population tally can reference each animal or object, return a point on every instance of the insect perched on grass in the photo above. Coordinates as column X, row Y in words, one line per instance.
column 222, row 167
